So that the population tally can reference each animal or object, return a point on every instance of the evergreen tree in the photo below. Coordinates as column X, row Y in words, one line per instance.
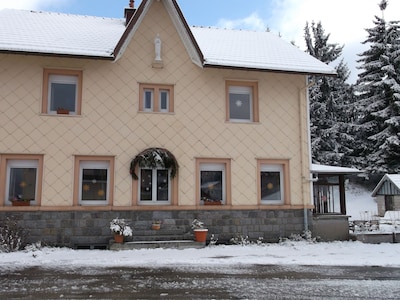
column 331, row 103
column 378, row 105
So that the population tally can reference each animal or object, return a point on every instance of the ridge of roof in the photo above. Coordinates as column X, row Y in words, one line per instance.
column 393, row 178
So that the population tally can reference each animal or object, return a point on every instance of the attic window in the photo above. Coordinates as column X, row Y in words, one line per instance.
column 156, row 98
column 62, row 92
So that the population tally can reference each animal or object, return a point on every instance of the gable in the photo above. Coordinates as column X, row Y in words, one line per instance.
column 389, row 185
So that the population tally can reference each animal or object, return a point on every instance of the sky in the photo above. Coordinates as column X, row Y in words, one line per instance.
column 344, row 20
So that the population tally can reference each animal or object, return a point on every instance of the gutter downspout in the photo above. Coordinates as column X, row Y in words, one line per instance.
column 305, row 175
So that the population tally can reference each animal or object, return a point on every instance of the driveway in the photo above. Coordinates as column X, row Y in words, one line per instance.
column 186, row 282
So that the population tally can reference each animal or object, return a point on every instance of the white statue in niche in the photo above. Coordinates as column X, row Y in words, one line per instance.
column 157, row 47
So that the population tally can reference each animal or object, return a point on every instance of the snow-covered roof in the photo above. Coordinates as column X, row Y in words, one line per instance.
column 56, row 33
column 254, row 49
column 388, row 185
column 65, row 34
column 322, row 169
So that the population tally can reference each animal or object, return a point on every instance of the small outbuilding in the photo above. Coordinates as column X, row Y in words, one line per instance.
column 387, row 193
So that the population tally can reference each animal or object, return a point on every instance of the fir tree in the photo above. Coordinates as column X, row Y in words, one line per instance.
column 379, row 95
column 331, row 103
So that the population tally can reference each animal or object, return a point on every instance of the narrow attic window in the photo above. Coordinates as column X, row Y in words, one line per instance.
column 62, row 92
column 156, row 98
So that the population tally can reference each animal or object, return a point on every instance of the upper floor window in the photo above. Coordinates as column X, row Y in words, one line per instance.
column 156, row 98
column 23, row 177
column 94, row 180
column 242, row 101
column 273, row 181
column 62, row 92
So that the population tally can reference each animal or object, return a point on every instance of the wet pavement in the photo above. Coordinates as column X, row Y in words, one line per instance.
column 210, row 282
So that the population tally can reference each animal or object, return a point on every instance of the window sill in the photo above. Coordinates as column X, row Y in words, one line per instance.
column 242, row 122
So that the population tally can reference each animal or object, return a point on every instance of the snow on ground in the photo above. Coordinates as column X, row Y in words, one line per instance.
column 286, row 253
column 348, row 253
column 360, row 205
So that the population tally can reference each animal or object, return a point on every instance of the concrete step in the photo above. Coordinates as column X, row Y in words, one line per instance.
column 176, row 244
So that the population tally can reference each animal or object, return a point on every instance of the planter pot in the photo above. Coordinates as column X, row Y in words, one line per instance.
column 156, row 226
column 118, row 238
column 212, row 203
column 21, row 203
column 200, row 235
column 62, row 111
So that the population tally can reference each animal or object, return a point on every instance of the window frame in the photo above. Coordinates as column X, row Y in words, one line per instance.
column 254, row 106
column 156, row 89
column 282, row 166
column 59, row 74
column 35, row 161
column 154, row 201
column 93, row 162
column 214, row 164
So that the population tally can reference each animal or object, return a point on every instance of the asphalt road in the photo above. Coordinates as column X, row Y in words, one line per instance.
column 186, row 282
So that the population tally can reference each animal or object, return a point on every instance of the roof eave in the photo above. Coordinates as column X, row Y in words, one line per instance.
column 220, row 66
column 37, row 53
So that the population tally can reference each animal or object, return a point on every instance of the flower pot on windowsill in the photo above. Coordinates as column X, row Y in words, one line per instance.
column 62, row 111
column 21, row 203
column 208, row 202
column 200, row 235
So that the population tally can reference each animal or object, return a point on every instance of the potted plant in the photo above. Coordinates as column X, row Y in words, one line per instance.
column 200, row 233
column 207, row 201
column 120, row 228
column 156, row 225
column 62, row 111
column 20, row 201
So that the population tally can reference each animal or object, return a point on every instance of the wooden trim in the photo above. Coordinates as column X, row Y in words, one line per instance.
column 45, row 87
column 156, row 88
column 82, row 158
column 3, row 174
column 228, row 179
column 286, row 180
column 255, row 101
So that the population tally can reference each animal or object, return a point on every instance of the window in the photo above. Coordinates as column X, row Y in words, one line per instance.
column 93, row 180
column 156, row 98
column 213, row 181
column 62, row 90
column 154, row 186
column 22, row 178
column 242, row 101
column 273, row 185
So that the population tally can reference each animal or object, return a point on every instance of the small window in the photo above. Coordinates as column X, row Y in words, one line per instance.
column 242, row 101
column 22, row 178
column 156, row 98
column 273, row 183
column 213, row 181
column 93, row 180
column 62, row 92
column 154, row 186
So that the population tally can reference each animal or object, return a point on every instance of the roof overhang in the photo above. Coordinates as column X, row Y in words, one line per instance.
column 332, row 170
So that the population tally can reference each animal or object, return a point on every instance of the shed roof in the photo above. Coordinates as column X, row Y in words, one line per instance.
column 323, row 169
column 46, row 33
column 388, row 185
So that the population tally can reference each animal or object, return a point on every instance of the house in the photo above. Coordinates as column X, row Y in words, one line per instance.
column 147, row 118
column 387, row 193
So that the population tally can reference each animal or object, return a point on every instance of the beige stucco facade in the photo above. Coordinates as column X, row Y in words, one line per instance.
column 110, row 124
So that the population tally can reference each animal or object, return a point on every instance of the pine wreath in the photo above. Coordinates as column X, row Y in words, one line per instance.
column 153, row 158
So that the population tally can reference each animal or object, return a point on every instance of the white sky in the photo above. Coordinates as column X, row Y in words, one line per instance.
column 345, row 20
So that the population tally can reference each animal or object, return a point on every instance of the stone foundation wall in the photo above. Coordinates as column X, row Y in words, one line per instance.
column 76, row 228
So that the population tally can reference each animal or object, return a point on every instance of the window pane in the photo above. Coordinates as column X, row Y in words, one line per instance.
column 162, row 185
column 62, row 95
column 271, row 185
column 148, row 99
column 211, row 185
column 146, row 179
column 164, row 95
column 22, row 183
column 94, row 184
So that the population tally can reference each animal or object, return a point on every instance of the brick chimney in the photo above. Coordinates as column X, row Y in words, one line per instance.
column 129, row 11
